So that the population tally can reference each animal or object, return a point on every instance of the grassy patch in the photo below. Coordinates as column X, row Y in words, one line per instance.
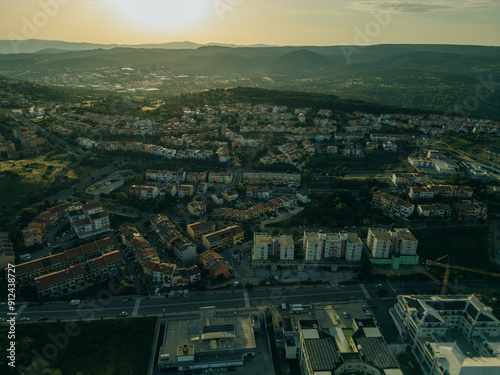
column 27, row 181
column 468, row 245
column 100, row 348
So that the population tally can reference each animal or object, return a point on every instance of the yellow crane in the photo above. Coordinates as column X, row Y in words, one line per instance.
column 448, row 268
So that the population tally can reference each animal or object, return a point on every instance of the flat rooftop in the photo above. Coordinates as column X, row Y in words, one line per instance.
column 209, row 334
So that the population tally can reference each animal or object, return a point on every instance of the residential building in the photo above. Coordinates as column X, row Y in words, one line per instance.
column 343, row 245
column 198, row 208
column 259, row 193
column 449, row 335
column 144, row 192
column 233, row 334
column 166, row 176
column 32, row 236
column 267, row 247
column 470, row 211
column 263, row 178
column 195, row 177
column 27, row 271
column 199, row 229
column 230, row 196
column 220, row 178
column 214, row 264
column 185, row 191
column 88, row 219
column 394, row 247
column 223, row 238
column 7, row 255
column 393, row 204
column 79, row 276
column 406, row 179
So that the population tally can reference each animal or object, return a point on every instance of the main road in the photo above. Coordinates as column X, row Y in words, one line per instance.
column 109, row 306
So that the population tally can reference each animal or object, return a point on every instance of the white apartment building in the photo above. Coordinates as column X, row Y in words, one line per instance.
column 267, row 247
column 344, row 245
column 450, row 335
column 383, row 243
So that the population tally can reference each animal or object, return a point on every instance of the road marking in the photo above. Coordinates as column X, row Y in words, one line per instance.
column 365, row 292
column 247, row 299
column 21, row 309
column 394, row 290
column 136, row 307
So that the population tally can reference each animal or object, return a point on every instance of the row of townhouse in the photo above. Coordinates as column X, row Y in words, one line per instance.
column 154, row 149
column 197, row 230
column 26, row 272
column 434, row 210
column 224, row 238
column 155, row 270
column 264, row 178
column 444, row 191
column 164, row 176
column 406, row 179
column 389, row 137
column 470, row 210
column 286, row 201
column 214, row 263
column 78, row 276
column 393, row 204
column 88, row 219
column 309, row 131
column 171, row 238
column 259, row 193
column 41, row 224
column 323, row 246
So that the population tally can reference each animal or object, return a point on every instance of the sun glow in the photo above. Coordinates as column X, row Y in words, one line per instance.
column 163, row 15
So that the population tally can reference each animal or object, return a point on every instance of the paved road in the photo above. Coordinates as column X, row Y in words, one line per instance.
column 231, row 299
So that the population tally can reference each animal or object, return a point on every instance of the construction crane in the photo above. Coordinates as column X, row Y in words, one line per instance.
column 448, row 268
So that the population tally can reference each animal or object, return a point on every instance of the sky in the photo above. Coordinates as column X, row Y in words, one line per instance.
column 245, row 22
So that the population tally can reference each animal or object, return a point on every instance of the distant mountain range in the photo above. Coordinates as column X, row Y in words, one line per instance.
column 433, row 77
column 53, row 46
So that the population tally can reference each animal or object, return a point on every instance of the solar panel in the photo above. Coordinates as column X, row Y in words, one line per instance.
column 218, row 328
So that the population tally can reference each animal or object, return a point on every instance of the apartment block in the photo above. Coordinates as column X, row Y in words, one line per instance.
column 144, row 192
column 393, row 247
column 449, row 335
column 195, row 177
column 223, row 238
column 406, row 179
column 267, row 247
column 185, row 191
column 343, row 245
column 88, row 219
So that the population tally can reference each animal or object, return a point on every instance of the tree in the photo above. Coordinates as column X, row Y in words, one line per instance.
column 139, row 179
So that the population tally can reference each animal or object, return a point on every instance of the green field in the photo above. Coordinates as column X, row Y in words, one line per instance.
column 108, row 347
column 27, row 181
column 468, row 245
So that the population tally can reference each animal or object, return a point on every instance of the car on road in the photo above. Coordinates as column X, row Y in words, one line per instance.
column 125, row 300
column 43, row 318
column 378, row 285
column 25, row 319
column 122, row 314
column 2, row 319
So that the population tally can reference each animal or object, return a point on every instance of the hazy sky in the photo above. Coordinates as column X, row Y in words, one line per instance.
column 281, row 22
